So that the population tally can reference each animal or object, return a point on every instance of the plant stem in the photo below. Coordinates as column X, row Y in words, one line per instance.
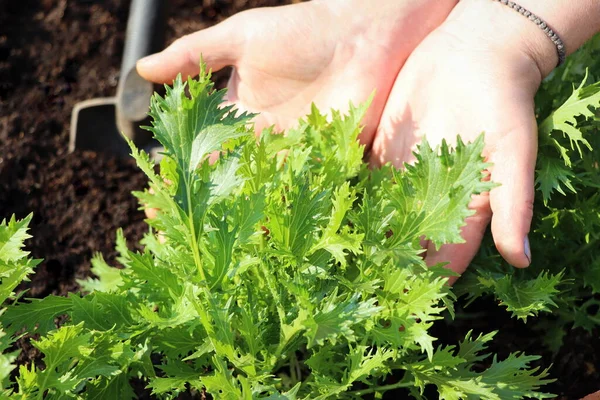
column 293, row 369
column 273, row 290
column 280, row 310
column 193, row 235
column 381, row 388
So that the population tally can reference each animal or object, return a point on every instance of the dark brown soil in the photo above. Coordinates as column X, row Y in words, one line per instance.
column 54, row 53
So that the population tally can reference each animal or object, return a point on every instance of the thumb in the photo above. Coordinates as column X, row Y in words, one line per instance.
column 219, row 46
column 512, row 201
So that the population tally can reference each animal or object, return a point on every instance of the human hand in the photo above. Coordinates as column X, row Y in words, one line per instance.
column 478, row 72
column 285, row 58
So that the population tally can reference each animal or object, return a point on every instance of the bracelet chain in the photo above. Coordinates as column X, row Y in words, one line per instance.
column 558, row 43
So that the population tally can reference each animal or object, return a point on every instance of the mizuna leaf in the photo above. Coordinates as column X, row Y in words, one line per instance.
column 15, row 266
column 13, row 234
column 109, row 278
column 336, row 318
column 36, row 316
column 581, row 103
column 431, row 197
column 222, row 382
column 553, row 175
column 190, row 128
column 103, row 311
column 511, row 378
column 7, row 362
column 338, row 240
column 60, row 348
column 530, row 297
column 115, row 388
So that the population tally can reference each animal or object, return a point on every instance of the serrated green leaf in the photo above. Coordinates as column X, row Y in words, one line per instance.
column 564, row 119
column 471, row 349
column 102, row 311
column 525, row 298
column 13, row 234
column 190, row 128
column 336, row 317
column 15, row 266
column 144, row 268
column 115, row 388
column 295, row 219
column 179, row 341
column 553, row 175
column 178, row 374
column 432, row 196
column 338, row 240
column 222, row 383
column 7, row 360
column 109, row 278
column 36, row 316
column 225, row 178
column 59, row 348
column 511, row 378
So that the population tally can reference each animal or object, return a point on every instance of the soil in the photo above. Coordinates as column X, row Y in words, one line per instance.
column 54, row 53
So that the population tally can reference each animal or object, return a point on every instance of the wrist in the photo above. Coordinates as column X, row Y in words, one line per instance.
column 573, row 21
column 490, row 26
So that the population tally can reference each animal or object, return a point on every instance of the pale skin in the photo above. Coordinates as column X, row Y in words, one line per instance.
column 439, row 69
column 330, row 52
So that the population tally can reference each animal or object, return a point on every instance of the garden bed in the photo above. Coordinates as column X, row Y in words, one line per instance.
column 56, row 53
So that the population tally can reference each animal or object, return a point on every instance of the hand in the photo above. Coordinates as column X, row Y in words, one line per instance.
column 476, row 73
column 327, row 52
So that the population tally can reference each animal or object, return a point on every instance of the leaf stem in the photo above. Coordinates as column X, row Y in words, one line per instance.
column 273, row 290
column 192, row 227
column 381, row 388
column 280, row 310
column 293, row 369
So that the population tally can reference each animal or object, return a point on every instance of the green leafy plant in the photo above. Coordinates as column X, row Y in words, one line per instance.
column 564, row 277
column 15, row 266
column 285, row 270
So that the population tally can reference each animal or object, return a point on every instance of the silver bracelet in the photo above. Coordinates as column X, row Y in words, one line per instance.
column 560, row 46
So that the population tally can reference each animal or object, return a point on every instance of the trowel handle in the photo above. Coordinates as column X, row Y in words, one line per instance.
column 145, row 32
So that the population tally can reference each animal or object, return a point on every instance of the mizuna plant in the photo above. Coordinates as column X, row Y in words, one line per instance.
column 564, row 277
column 289, row 270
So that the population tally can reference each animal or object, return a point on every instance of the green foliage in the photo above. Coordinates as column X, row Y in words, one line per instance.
column 15, row 266
column 522, row 297
column 451, row 371
column 285, row 270
column 565, row 231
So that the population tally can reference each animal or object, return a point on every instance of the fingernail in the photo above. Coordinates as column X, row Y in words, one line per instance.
column 527, row 249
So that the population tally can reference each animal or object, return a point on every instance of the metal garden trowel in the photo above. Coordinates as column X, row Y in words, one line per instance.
column 99, row 124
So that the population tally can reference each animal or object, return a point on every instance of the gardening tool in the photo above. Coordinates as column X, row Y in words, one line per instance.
column 99, row 124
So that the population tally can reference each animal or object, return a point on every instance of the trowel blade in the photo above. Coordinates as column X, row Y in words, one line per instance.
column 93, row 127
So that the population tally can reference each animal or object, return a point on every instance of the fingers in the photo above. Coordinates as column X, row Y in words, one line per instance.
column 593, row 396
column 219, row 46
column 512, row 202
column 151, row 212
column 509, row 206
column 459, row 256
